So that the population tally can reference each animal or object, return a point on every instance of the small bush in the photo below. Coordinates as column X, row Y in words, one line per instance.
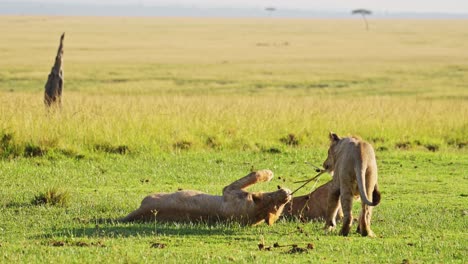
column 290, row 140
column 7, row 147
column 273, row 150
column 212, row 142
column 403, row 145
column 377, row 140
column 52, row 197
column 457, row 143
column 71, row 154
column 182, row 145
column 432, row 147
column 121, row 149
column 31, row 150
column 382, row 148
column 5, row 139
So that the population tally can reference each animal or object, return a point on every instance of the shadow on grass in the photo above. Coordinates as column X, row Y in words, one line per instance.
column 111, row 229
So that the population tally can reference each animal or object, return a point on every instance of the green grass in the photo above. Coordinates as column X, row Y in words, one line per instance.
column 198, row 103
column 421, row 218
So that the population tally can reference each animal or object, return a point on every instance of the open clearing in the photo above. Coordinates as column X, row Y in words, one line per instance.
column 153, row 104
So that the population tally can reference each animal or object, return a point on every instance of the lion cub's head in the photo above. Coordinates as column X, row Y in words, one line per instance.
column 269, row 206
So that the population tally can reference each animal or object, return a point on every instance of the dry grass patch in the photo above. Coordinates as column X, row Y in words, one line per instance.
column 53, row 196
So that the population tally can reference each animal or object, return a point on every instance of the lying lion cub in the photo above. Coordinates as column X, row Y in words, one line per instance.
column 235, row 204
column 353, row 165
column 312, row 206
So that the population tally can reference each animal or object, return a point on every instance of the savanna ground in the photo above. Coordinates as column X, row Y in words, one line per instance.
column 156, row 104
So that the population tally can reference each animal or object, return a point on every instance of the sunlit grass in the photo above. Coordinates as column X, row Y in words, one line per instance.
column 419, row 219
column 233, row 83
column 232, row 56
column 159, row 123
column 157, row 105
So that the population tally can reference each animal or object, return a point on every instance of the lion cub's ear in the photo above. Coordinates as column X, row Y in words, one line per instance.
column 334, row 137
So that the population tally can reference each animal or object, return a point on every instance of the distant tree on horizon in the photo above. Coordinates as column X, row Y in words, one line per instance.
column 363, row 13
column 270, row 9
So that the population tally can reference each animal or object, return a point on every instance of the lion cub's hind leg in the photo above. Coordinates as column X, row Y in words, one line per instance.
column 264, row 175
column 250, row 179
column 347, row 205
column 364, row 221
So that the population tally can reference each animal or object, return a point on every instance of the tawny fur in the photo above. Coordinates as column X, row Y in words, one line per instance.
column 312, row 206
column 235, row 204
column 353, row 165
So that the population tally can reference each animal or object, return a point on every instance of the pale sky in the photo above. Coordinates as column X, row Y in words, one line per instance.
column 438, row 6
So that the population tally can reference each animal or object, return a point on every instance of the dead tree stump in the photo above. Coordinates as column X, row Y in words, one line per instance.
column 54, row 85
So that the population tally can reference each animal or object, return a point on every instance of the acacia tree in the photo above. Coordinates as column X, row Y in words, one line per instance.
column 363, row 13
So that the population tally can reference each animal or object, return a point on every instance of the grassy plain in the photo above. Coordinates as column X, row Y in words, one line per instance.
column 154, row 104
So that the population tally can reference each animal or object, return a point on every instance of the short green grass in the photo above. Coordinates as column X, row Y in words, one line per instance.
column 422, row 217
column 198, row 103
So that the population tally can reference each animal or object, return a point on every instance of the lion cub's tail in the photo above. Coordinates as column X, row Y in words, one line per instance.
column 376, row 195
column 360, row 175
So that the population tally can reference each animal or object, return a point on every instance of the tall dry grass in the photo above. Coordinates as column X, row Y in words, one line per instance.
column 164, row 84
column 162, row 123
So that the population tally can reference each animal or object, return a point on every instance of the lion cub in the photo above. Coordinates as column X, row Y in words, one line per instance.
column 352, row 163
column 236, row 204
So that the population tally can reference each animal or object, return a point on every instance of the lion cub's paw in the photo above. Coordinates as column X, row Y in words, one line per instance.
column 264, row 175
column 329, row 228
column 369, row 233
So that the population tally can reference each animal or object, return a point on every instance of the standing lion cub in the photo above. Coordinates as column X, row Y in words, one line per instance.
column 236, row 204
column 354, row 168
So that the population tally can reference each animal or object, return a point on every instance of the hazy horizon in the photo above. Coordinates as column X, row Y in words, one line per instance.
column 414, row 6
column 237, row 8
